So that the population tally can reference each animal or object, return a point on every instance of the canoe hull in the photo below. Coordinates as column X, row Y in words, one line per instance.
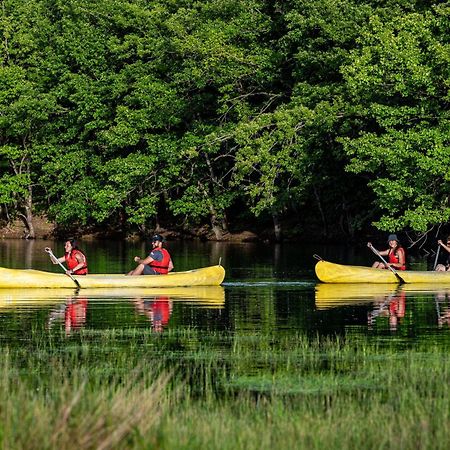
column 329, row 295
column 208, row 296
column 206, row 276
column 337, row 273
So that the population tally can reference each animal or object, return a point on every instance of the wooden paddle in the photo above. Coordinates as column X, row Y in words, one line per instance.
column 400, row 279
column 54, row 258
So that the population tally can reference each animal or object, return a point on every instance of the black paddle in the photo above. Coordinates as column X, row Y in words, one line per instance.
column 54, row 258
column 437, row 256
column 400, row 279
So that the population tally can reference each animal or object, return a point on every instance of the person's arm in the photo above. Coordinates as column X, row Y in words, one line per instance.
column 55, row 260
column 170, row 267
column 443, row 245
column 384, row 252
column 147, row 260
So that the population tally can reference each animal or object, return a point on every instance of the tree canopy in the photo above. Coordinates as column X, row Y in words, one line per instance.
column 319, row 115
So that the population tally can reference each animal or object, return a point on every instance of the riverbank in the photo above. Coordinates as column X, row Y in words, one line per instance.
column 16, row 229
column 290, row 232
column 45, row 229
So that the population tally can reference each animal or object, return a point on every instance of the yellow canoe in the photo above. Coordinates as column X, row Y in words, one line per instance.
column 338, row 273
column 19, row 278
column 211, row 296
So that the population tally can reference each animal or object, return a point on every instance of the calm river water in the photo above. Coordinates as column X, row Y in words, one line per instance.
column 268, row 288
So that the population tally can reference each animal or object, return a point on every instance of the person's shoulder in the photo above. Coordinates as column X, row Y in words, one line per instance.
column 156, row 254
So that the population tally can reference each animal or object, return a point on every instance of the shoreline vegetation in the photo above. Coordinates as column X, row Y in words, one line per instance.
column 44, row 229
column 132, row 389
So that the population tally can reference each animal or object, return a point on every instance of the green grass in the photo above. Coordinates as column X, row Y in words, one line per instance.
column 137, row 390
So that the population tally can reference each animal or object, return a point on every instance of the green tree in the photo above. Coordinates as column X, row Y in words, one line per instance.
column 399, row 82
column 25, row 106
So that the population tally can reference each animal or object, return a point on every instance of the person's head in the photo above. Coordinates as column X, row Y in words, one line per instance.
column 393, row 241
column 157, row 240
column 70, row 244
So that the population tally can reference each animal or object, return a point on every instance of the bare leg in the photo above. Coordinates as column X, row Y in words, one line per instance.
column 440, row 268
column 138, row 271
column 378, row 265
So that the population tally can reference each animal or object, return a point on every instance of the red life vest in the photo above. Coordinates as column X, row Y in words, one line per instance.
column 161, row 310
column 394, row 259
column 72, row 262
column 163, row 265
column 75, row 315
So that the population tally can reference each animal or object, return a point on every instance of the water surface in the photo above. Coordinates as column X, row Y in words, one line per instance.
column 268, row 289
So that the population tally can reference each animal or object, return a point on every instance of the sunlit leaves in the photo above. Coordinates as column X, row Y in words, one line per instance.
column 399, row 76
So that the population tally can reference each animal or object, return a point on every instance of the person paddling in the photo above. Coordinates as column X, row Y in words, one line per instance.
column 74, row 258
column 395, row 252
column 158, row 262
column 444, row 263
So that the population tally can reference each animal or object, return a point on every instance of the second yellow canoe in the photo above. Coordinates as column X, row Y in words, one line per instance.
column 338, row 273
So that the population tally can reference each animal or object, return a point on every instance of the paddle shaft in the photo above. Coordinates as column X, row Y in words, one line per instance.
column 59, row 262
column 437, row 256
column 386, row 264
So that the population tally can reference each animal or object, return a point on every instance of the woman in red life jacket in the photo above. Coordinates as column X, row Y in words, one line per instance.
column 444, row 260
column 74, row 258
column 158, row 262
column 395, row 253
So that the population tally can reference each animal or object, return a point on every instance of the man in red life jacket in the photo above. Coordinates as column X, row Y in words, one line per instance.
column 74, row 258
column 158, row 262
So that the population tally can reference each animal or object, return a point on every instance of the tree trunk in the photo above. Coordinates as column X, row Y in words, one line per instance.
column 28, row 216
column 224, row 223
column 322, row 214
column 215, row 222
column 276, row 227
column 217, row 229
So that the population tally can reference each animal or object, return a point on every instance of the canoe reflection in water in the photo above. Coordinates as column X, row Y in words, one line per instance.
column 385, row 300
column 157, row 309
column 72, row 313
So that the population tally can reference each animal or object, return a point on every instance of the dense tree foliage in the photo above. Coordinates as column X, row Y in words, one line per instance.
column 320, row 115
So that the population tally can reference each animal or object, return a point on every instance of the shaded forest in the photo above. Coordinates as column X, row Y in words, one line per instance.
column 308, row 118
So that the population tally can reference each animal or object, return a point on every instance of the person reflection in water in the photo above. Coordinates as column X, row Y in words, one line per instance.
column 73, row 314
column 442, row 300
column 158, row 310
column 393, row 307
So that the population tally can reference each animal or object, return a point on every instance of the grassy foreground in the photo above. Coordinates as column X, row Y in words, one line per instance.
column 183, row 390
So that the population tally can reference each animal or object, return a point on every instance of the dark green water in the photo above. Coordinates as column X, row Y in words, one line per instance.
column 268, row 289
